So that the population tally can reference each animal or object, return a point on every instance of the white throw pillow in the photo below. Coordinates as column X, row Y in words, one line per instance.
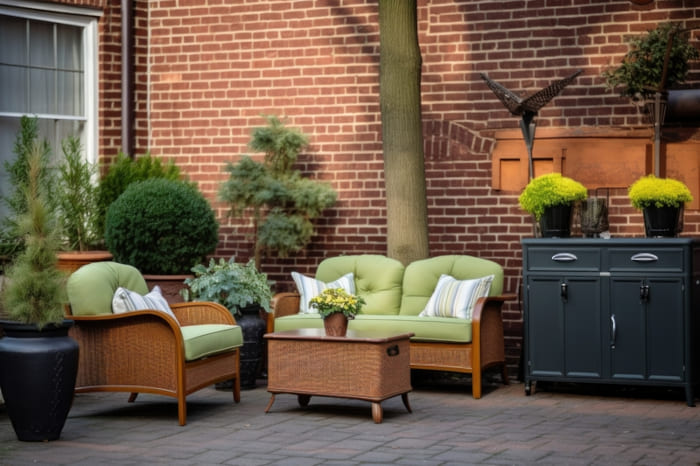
column 456, row 298
column 310, row 287
column 125, row 301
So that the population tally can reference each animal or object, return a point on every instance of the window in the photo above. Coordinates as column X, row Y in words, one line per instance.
column 48, row 69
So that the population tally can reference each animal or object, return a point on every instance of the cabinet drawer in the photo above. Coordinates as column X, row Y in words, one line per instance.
column 573, row 258
column 659, row 260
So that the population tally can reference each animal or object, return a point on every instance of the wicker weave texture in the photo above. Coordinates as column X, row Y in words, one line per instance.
column 368, row 371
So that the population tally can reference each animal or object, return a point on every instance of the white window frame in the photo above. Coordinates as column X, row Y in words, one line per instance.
column 87, row 20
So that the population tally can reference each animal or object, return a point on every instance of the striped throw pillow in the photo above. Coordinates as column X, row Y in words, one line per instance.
column 310, row 287
column 456, row 298
column 126, row 301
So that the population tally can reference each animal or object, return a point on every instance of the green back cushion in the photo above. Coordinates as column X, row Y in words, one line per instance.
column 421, row 277
column 377, row 279
column 91, row 287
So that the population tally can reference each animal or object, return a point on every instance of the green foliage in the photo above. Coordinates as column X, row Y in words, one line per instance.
column 652, row 191
column 161, row 226
column 281, row 202
column 125, row 171
column 34, row 293
column 332, row 300
column 640, row 72
column 550, row 190
column 77, row 198
column 27, row 140
column 230, row 284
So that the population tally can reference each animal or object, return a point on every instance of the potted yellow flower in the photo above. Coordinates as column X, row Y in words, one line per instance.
column 336, row 306
column 661, row 200
column 549, row 199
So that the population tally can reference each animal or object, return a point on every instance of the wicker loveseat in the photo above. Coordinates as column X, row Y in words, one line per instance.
column 148, row 351
column 395, row 296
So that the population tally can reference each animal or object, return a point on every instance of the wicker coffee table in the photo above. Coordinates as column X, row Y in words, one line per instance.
column 366, row 366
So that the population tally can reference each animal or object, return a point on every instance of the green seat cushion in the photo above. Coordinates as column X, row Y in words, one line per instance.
column 432, row 329
column 378, row 279
column 91, row 288
column 209, row 339
column 421, row 278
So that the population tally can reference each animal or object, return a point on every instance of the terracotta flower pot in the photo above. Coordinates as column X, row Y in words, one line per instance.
column 336, row 325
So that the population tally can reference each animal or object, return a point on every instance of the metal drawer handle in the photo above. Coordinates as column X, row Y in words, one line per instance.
column 392, row 350
column 564, row 257
column 645, row 257
column 613, row 333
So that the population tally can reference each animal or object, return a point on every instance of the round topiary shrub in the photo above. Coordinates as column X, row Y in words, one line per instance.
column 161, row 227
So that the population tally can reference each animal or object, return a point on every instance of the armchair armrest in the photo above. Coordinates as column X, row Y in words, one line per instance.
column 283, row 304
column 202, row 312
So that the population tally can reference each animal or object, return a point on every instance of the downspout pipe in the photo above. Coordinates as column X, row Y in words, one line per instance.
column 127, row 100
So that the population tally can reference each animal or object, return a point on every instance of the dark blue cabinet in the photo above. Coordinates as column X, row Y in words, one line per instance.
column 612, row 311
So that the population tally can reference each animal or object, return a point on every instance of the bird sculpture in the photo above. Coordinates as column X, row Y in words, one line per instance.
column 528, row 107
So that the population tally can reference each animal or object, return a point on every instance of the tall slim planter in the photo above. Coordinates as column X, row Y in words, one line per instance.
column 38, row 370
column 253, row 327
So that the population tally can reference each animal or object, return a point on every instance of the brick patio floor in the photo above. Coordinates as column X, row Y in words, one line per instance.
column 573, row 425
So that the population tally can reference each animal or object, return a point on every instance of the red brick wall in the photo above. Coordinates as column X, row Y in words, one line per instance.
column 206, row 70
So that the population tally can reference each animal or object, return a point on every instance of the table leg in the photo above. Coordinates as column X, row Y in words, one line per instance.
column 269, row 405
column 404, row 398
column 377, row 413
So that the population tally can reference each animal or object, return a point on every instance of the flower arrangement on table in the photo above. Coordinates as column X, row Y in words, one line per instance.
column 550, row 190
column 332, row 300
column 650, row 191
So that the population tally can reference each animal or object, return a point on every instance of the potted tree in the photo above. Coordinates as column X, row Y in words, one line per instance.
column 244, row 291
column 656, row 61
column 549, row 198
column 281, row 202
column 661, row 200
column 38, row 360
column 78, row 212
column 162, row 227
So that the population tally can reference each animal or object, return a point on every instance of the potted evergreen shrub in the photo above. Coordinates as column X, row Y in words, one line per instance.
column 78, row 213
column 280, row 201
column 656, row 61
column 244, row 291
column 163, row 228
column 124, row 171
column 549, row 198
column 38, row 360
column 661, row 200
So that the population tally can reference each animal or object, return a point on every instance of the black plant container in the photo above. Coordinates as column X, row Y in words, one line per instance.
column 556, row 221
column 663, row 222
column 38, row 370
column 253, row 327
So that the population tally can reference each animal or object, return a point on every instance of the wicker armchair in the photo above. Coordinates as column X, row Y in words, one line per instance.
column 148, row 351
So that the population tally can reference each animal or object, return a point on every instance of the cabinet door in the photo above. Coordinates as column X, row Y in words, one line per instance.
column 646, row 329
column 563, row 327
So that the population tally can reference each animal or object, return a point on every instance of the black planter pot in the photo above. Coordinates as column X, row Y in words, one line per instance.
column 555, row 222
column 38, row 369
column 662, row 222
column 253, row 327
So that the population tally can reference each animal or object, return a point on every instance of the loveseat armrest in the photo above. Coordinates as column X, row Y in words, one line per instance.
column 487, row 332
column 283, row 304
column 202, row 312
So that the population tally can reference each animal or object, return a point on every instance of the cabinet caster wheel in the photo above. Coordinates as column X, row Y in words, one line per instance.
column 528, row 389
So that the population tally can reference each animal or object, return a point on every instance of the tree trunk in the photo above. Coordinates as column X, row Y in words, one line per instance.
column 402, row 132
